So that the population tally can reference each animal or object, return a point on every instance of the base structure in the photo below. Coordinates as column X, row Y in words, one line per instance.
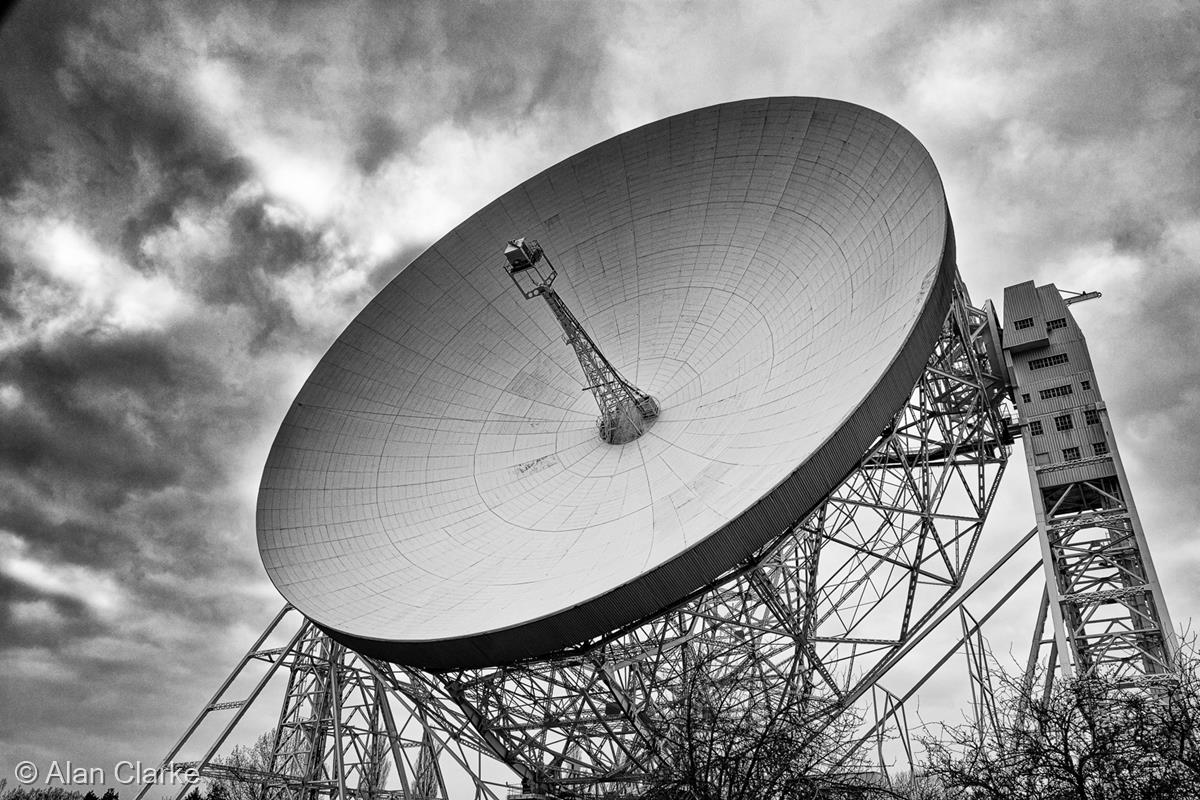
column 778, row 653
column 778, row 664
column 347, row 727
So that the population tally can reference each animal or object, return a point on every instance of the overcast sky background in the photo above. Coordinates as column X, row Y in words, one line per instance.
column 196, row 198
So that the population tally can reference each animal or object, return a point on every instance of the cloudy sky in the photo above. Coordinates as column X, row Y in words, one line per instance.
column 195, row 199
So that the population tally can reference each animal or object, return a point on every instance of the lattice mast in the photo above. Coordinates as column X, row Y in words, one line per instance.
column 625, row 410
column 1102, row 592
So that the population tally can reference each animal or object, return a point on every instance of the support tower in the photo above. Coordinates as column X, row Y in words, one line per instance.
column 1102, row 593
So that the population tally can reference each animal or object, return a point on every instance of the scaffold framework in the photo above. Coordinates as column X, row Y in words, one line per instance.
column 810, row 624
column 803, row 632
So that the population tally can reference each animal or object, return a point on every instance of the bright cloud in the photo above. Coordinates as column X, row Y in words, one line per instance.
column 94, row 287
column 98, row 591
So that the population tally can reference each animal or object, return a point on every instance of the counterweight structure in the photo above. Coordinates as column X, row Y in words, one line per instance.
column 1102, row 593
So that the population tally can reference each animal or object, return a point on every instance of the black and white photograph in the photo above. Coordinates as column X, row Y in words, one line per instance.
column 599, row 400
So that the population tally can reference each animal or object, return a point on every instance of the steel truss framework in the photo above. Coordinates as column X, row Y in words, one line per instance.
column 1107, row 605
column 347, row 727
column 803, row 629
column 799, row 635
column 1103, row 602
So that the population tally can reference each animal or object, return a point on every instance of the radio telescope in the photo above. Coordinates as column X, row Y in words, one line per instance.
column 773, row 272
column 701, row 412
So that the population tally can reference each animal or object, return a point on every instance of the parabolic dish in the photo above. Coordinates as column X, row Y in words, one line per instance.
column 774, row 272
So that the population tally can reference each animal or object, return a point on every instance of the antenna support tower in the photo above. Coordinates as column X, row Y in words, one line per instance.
column 1104, row 599
column 808, row 627
column 625, row 410
column 806, row 630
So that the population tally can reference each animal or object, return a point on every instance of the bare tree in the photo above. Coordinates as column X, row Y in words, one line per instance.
column 1086, row 739
column 737, row 733
column 246, row 764
column 252, row 772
